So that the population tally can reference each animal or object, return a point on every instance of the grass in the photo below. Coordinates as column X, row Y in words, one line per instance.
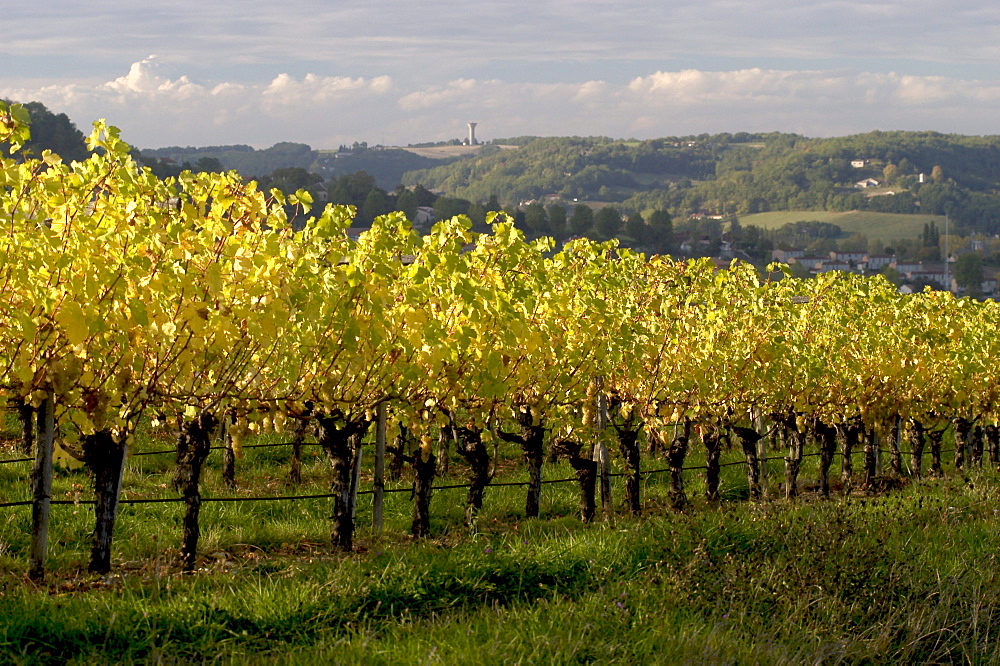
column 906, row 576
column 887, row 226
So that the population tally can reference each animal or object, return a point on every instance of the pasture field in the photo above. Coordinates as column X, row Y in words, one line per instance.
column 908, row 574
column 887, row 226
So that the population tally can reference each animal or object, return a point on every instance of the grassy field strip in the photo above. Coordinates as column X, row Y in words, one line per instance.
column 887, row 226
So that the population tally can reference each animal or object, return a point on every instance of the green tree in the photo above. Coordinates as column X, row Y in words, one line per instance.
column 536, row 220
column 477, row 213
column 376, row 203
column 208, row 164
column 448, row 207
column 969, row 272
column 358, row 185
column 558, row 221
column 931, row 236
column 424, row 196
column 635, row 228
column 607, row 223
column 582, row 220
column 407, row 203
column 890, row 173
column 661, row 230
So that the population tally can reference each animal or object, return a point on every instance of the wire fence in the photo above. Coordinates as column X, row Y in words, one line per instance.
column 408, row 489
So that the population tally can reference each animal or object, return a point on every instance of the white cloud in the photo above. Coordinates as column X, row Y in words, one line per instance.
column 156, row 104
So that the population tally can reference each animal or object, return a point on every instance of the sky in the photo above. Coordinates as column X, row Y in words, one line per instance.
column 197, row 73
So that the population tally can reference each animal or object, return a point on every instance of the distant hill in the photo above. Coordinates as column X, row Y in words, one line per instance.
column 386, row 165
column 878, row 175
column 55, row 132
column 743, row 174
column 249, row 162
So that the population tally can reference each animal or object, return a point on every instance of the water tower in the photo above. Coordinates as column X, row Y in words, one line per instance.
column 472, row 134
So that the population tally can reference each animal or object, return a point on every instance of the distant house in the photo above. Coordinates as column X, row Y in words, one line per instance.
column 811, row 262
column 907, row 267
column 831, row 265
column 876, row 262
column 787, row 256
column 702, row 244
column 720, row 264
column 859, row 164
column 848, row 257
column 425, row 217
column 866, row 183
column 932, row 276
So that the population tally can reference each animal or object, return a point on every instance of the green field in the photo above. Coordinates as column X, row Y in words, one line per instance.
column 907, row 575
column 887, row 226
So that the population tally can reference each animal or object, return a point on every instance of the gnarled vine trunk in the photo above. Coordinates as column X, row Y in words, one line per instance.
column 341, row 439
column 298, row 437
column 628, row 443
column 827, row 436
column 962, row 429
column 936, row 436
column 193, row 446
column 424, row 470
column 976, row 446
column 793, row 461
column 394, row 472
column 748, row 439
column 586, row 473
column 104, row 455
column 532, row 442
column 992, row 435
column 26, row 417
column 713, row 445
column 852, row 436
column 470, row 446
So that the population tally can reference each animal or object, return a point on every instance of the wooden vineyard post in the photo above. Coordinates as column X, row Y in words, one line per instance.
column 711, row 438
column 601, row 456
column 41, row 480
column 762, row 457
column 229, row 454
column 355, row 478
column 378, row 485
column 895, row 437
column 918, row 440
column 872, row 444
